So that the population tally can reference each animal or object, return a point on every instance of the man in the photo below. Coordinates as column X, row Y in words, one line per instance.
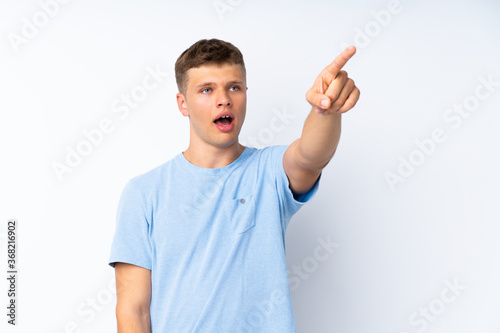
column 199, row 244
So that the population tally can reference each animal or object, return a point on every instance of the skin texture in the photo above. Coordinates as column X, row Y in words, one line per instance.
column 332, row 94
column 210, row 90
column 133, row 298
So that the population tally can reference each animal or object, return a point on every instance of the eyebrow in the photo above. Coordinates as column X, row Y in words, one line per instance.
column 205, row 84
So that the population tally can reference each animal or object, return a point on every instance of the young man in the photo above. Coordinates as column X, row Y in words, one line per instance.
column 199, row 244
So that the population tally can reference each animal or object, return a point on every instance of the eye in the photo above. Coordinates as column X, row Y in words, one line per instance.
column 236, row 88
column 203, row 90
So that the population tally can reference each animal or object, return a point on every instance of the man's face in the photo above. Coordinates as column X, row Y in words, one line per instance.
column 212, row 90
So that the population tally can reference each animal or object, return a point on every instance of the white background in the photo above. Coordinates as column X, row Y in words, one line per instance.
column 397, row 245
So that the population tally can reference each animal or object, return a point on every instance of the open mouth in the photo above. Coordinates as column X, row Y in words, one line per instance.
column 224, row 121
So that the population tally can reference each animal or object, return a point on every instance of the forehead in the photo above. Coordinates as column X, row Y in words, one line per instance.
column 214, row 73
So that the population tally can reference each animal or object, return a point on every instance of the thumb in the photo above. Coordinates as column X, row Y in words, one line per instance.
column 318, row 100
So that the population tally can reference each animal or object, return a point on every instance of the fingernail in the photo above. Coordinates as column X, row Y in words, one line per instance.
column 324, row 103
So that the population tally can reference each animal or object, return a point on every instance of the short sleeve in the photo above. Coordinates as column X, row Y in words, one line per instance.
column 290, row 204
column 131, row 241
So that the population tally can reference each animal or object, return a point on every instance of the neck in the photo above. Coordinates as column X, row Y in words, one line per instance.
column 213, row 157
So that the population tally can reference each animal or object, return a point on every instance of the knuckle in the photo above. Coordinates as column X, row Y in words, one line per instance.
column 355, row 92
column 348, row 104
column 342, row 74
column 333, row 94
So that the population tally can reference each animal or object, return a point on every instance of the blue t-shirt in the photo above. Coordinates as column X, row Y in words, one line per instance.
column 214, row 240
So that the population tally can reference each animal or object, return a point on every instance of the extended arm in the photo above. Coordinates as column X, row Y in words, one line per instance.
column 332, row 94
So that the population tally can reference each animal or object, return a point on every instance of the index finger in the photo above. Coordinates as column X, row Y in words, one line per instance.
column 341, row 60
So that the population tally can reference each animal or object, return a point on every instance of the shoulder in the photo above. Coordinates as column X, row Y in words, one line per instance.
column 152, row 179
column 271, row 152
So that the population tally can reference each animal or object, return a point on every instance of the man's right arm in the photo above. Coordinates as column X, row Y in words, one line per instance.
column 133, row 293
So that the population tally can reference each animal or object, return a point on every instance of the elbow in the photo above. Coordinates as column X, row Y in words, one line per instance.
column 133, row 319
column 124, row 311
column 314, row 163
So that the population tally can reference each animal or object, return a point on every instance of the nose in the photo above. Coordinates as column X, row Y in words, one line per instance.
column 223, row 100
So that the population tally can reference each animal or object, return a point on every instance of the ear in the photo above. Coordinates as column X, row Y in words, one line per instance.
column 182, row 104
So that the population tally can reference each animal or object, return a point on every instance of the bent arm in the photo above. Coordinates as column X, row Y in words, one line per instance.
column 133, row 292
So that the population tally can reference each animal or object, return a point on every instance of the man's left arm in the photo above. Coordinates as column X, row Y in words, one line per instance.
column 332, row 94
